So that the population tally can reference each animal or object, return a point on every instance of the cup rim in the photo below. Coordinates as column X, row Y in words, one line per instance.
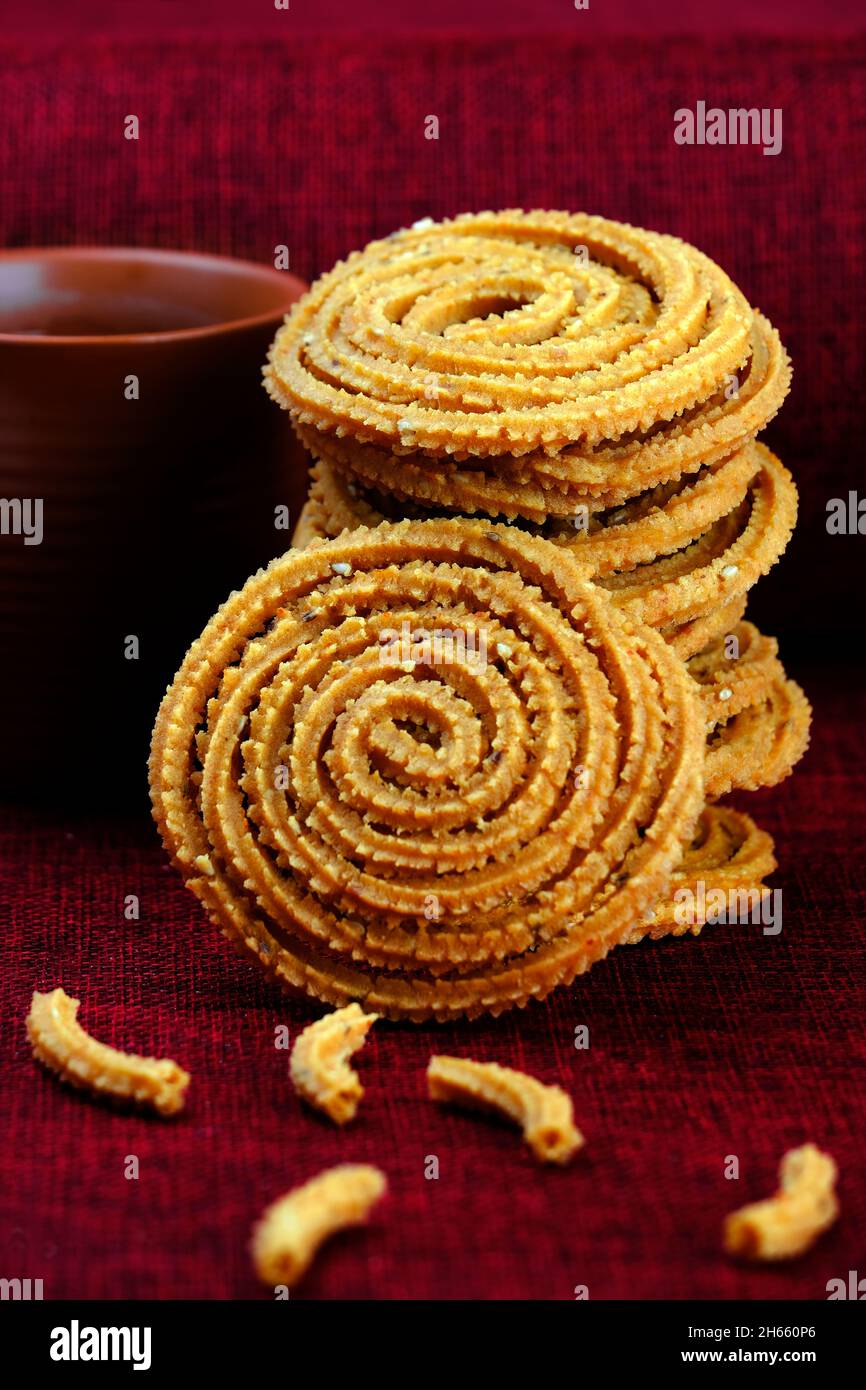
column 293, row 284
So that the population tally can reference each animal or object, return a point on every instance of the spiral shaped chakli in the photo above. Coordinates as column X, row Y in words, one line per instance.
column 447, row 828
column 719, row 565
column 758, row 721
column 678, row 553
column 658, row 522
column 697, row 600
column 525, row 364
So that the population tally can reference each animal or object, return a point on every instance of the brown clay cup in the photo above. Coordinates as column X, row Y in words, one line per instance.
column 144, row 474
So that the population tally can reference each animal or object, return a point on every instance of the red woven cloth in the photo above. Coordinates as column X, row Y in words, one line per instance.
column 160, row 18
column 734, row 1044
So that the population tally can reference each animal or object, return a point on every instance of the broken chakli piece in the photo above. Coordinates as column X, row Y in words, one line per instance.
column 787, row 1224
column 428, row 837
column 319, row 1064
column 544, row 1113
column 287, row 1237
column 61, row 1044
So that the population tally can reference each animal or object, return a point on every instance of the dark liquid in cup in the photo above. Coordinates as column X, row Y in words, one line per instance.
column 99, row 316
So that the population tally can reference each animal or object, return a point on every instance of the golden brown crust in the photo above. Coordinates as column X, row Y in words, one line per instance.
column 733, row 679
column 61, row 1044
column 723, row 563
column 675, row 558
column 660, row 521
column 735, row 671
column 692, row 637
column 544, row 1113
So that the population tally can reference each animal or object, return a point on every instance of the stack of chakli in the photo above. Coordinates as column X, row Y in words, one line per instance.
column 535, row 459
column 587, row 382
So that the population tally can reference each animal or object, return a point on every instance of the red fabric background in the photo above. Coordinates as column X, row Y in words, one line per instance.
column 734, row 1044
column 57, row 18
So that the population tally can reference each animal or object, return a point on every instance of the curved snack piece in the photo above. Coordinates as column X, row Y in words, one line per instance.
column 61, row 1044
column 760, row 746
column 319, row 1065
column 789, row 1223
column 290, row 1231
column 688, row 639
column 730, row 684
column 663, row 520
column 448, row 828
column 730, row 855
column 723, row 563
column 544, row 1113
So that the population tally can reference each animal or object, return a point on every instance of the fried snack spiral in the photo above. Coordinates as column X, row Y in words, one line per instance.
column 729, row 854
column 426, row 837
column 657, row 522
column 571, row 349
column 695, row 596
column 723, row 563
column 690, row 638
column 735, row 671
